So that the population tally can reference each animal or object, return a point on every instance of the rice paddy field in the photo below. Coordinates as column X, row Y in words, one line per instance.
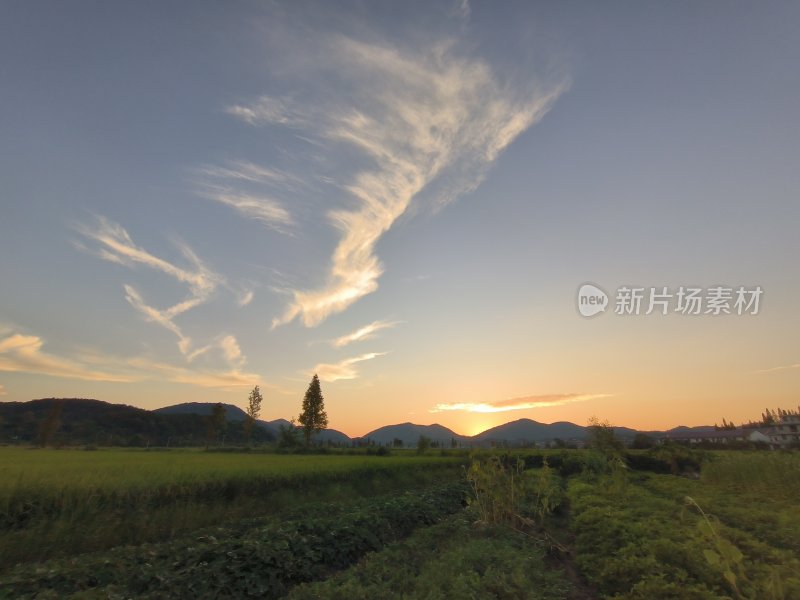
column 54, row 502
column 127, row 470
column 661, row 524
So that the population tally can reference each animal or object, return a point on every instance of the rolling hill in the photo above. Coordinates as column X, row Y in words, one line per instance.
column 409, row 434
column 232, row 412
column 527, row 430
column 84, row 421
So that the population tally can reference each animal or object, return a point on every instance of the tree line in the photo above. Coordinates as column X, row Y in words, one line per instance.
column 312, row 418
column 79, row 421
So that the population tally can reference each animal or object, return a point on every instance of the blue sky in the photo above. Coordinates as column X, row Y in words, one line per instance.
column 403, row 197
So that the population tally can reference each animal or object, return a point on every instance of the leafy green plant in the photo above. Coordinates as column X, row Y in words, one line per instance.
column 646, row 545
column 601, row 437
column 722, row 556
column 726, row 558
column 497, row 489
column 65, row 502
column 548, row 494
column 774, row 473
column 504, row 492
column 264, row 562
column 449, row 560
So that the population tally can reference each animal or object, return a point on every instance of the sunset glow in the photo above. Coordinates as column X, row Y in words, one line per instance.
column 406, row 207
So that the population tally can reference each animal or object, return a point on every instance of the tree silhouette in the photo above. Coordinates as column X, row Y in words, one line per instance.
column 601, row 437
column 216, row 422
column 51, row 423
column 423, row 443
column 253, row 411
column 313, row 418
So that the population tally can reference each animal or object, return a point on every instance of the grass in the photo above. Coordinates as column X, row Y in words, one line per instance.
column 648, row 543
column 737, row 538
column 128, row 469
column 54, row 502
column 774, row 474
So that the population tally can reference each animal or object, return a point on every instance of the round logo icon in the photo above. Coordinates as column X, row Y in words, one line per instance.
column 592, row 300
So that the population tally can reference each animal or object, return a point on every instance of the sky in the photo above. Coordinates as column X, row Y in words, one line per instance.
column 404, row 198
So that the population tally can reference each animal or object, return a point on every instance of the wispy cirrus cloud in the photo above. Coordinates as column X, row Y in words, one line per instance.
column 367, row 332
column 523, row 403
column 216, row 183
column 226, row 348
column 209, row 378
column 344, row 369
column 247, row 171
column 781, row 368
column 268, row 110
column 246, row 297
column 23, row 353
column 463, row 10
column 114, row 244
column 258, row 207
column 425, row 120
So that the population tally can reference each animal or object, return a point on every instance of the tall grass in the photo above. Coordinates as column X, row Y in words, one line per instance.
column 774, row 474
column 55, row 502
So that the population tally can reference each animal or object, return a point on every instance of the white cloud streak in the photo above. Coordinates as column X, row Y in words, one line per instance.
column 246, row 298
column 208, row 378
column 257, row 207
column 367, row 332
column 523, row 403
column 23, row 354
column 268, row 110
column 215, row 184
column 781, row 368
column 426, row 121
column 464, row 10
column 247, row 171
column 2, row 390
column 344, row 369
column 116, row 245
column 231, row 350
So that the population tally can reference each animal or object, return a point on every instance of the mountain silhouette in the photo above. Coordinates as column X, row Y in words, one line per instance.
column 84, row 421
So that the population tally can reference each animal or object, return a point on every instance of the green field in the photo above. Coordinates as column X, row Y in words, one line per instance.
column 64, row 501
column 540, row 525
column 139, row 469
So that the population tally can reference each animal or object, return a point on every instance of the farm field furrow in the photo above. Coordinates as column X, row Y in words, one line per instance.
column 572, row 525
column 452, row 559
column 67, row 502
column 640, row 543
column 263, row 562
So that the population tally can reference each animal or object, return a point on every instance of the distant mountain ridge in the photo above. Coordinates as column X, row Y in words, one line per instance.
column 232, row 412
column 95, row 421
column 528, row 430
column 409, row 434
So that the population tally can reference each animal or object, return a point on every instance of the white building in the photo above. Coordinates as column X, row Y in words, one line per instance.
column 787, row 430
column 723, row 436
